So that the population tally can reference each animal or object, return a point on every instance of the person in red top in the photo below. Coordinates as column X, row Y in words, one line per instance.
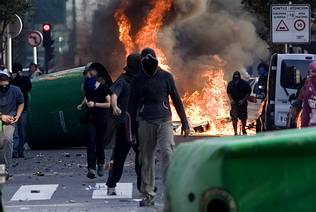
column 309, row 98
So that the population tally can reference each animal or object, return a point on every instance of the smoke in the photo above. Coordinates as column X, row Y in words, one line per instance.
column 193, row 33
column 202, row 29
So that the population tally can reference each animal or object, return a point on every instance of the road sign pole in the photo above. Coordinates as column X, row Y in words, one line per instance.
column 9, row 53
column 35, row 55
column 286, row 48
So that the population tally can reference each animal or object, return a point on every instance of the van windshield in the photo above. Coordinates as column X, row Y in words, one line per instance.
column 301, row 65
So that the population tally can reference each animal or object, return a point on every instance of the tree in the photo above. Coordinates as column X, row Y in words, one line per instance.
column 8, row 9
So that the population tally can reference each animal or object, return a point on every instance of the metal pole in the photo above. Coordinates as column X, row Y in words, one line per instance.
column 286, row 48
column 4, row 58
column 287, row 45
column 35, row 55
column 9, row 52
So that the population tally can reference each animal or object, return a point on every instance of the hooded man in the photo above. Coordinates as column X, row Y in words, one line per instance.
column 11, row 108
column 238, row 91
column 24, row 83
column 119, row 101
column 151, row 90
column 309, row 98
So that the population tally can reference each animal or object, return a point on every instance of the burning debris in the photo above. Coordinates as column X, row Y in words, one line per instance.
column 201, row 41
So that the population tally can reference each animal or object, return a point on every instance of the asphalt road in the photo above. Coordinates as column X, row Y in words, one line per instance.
column 65, row 187
column 55, row 181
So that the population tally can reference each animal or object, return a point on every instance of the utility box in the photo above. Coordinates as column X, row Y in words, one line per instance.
column 272, row 172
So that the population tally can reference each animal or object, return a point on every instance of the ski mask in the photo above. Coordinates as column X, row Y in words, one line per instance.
column 89, row 83
column 236, row 77
column 4, row 89
column 133, row 64
column 149, row 61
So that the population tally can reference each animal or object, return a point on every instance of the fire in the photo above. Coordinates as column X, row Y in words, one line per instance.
column 124, row 28
column 208, row 106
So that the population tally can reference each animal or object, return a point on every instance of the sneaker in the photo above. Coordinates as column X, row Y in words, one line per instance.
column 244, row 132
column 91, row 174
column 7, row 175
column 147, row 201
column 100, row 170
column 111, row 191
column 15, row 155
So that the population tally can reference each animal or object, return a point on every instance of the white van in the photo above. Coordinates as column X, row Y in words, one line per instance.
column 286, row 75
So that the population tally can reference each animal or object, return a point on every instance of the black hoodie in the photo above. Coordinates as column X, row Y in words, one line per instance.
column 150, row 98
column 122, row 86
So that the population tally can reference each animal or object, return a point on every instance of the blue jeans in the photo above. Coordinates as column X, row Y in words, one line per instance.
column 6, row 144
column 19, row 136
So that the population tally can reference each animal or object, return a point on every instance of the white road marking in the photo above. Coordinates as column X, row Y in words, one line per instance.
column 123, row 191
column 35, row 192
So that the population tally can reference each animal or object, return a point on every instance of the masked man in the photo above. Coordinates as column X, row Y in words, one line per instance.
column 150, row 94
column 24, row 83
column 238, row 91
column 11, row 108
column 119, row 101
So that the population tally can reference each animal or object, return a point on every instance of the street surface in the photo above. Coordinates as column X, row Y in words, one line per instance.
column 65, row 187
column 55, row 181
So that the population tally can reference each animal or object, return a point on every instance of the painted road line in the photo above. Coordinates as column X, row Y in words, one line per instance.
column 35, row 192
column 123, row 191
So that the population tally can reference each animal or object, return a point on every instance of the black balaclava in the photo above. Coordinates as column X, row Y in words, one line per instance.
column 133, row 65
column 236, row 77
column 4, row 77
column 149, row 61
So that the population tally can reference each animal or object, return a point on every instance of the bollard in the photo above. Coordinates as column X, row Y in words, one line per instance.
column 269, row 172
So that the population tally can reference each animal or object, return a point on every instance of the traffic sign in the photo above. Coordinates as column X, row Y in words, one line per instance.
column 290, row 23
column 34, row 38
column 14, row 28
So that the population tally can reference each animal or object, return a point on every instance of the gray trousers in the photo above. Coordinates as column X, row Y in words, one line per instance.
column 19, row 136
column 150, row 134
column 6, row 144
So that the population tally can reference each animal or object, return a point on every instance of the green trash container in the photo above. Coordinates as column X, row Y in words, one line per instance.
column 272, row 172
column 54, row 120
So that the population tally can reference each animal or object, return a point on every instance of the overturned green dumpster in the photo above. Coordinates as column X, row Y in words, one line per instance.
column 265, row 173
column 54, row 120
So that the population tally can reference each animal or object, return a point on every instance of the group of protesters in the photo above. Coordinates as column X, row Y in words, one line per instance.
column 139, row 101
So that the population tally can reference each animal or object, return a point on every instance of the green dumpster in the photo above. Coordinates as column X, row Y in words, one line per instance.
column 271, row 172
column 54, row 120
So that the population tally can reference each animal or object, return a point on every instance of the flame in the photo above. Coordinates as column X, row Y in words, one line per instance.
column 124, row 28
column 208, row 105
column 147, row 35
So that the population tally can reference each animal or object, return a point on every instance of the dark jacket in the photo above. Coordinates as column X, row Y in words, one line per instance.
column 150, row 98
column 122, row 88
column 24, row 83
column 239, row 91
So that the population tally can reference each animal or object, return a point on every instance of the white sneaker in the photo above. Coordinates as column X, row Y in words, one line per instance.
column 111, row 192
